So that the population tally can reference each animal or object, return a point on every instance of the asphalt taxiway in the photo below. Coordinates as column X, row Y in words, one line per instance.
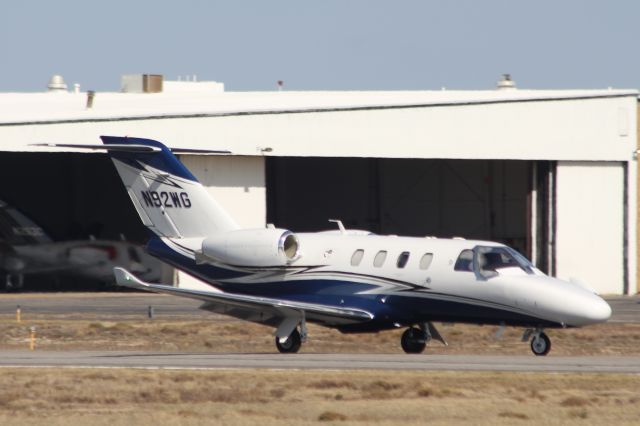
column 207, row 361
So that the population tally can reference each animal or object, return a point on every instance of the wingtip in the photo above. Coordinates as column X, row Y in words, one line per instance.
column 125, row 278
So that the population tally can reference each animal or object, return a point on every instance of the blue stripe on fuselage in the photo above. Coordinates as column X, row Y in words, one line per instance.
column 320, row 291
column 206, row 272
column 403, row 309
column 417, row 309
column 280, row 289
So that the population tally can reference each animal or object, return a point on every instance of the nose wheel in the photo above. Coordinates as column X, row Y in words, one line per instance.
column 540, row 344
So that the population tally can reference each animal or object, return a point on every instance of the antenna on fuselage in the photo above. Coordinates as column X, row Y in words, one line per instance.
column 340, row 225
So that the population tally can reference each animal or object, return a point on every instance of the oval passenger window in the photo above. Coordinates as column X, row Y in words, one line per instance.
column 356, row 258
column 403, row 259
column 426, row 260
column 381, row 256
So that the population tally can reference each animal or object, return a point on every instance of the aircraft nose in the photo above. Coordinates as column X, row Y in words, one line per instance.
column 594, row 310
column 571, row 304
column 599, row 310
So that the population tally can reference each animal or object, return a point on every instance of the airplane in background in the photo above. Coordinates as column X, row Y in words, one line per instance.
column 26, row 249
column 349, row 280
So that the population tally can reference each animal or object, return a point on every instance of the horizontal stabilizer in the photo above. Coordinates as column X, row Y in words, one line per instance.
column 179, row 151
column 112, row 147
column 133, row 148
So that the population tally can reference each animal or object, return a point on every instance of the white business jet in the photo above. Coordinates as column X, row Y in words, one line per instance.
column 353, row 281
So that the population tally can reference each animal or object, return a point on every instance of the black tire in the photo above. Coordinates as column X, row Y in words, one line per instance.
column 540, row 344
column 291, row 345
column 413, row 341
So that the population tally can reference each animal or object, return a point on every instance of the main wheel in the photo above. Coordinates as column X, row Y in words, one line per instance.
column 413, row 341
column 540, row 344
column 291, row 345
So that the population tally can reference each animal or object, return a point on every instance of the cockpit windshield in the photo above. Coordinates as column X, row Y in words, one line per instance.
column 488, row 262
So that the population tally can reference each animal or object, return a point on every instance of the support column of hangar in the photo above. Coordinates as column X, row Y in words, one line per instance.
column 634, row 173
column 238, row 184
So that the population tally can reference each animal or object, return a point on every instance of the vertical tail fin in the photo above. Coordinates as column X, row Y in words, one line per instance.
column 168, row 198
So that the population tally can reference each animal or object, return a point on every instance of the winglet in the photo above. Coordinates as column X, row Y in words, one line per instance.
column 125, row 278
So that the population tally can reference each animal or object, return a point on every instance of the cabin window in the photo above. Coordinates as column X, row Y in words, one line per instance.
column 425, row 260
column 381, row 256
column 356, row 258
column 465, row 261
column 403, row 259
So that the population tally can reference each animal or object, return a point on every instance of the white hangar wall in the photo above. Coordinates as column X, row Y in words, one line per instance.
column 238, row 184
column 524, row 125
column 563, row 130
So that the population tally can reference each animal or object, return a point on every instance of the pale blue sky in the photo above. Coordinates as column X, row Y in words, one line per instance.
column 323, row 45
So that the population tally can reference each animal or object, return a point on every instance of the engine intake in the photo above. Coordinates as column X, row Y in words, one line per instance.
column 253, row 247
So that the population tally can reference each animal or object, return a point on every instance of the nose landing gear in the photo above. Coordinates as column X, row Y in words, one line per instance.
column 540, row 342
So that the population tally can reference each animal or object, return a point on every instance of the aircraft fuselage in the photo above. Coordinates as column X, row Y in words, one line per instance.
column 403, row 281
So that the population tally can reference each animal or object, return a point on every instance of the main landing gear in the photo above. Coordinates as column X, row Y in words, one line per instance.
column 415, row 339
column 288, row 338
column 540, row 342
column 291, row 345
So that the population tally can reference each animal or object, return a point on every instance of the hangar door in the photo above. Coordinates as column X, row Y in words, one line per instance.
column 474, row 199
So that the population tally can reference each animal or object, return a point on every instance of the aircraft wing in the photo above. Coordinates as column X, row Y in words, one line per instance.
column 263, row 310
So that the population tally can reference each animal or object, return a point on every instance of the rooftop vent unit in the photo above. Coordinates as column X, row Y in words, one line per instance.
column 57, row 84
column 141, row 83
column 506, row 83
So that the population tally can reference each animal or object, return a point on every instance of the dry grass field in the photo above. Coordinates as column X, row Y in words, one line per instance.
column 153, row 397
column 239, row 336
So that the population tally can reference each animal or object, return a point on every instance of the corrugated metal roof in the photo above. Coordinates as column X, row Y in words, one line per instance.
column 34, row 108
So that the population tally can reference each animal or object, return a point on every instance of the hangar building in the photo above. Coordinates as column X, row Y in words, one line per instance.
column 552, row 173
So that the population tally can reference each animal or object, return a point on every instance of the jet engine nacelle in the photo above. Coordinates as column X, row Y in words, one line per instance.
column 253, row 247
